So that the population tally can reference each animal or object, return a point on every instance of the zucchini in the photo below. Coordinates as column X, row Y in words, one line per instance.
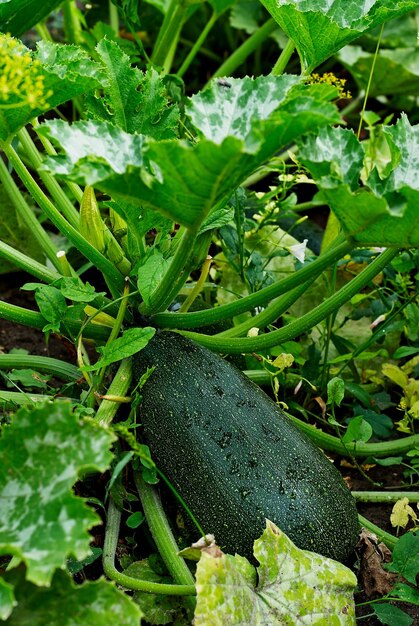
column 233, row 455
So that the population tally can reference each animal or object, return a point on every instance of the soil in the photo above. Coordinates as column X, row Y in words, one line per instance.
column 17, row 336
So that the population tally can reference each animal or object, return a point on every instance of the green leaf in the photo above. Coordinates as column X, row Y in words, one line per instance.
column 75, row 290
column 220, row 112
column 56, row 74
column 66, row 604
column 321, row 29
column 133, row 100
column 42, row 522
column 405, row 557
column 150, row 274
column 183, row 181
column 135, row 519
column 28, row 378
column 391, row 615
column 99, row 150
column 290, row 586
column 385, row 214
column 52, row 305
column 7, row 599
column 335, row 391
column 157, row 608
column 333, row 156
column 18, row 16
column 406, row 593
column 395, row 71
column 132, row 341
column 358, row 430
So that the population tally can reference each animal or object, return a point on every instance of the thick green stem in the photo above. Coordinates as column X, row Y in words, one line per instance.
column 272, row 312
column 246, row 49
column 20, row 398
column 197, row 45
column 27, row 264
column 51, row 151
column 260, row 298
column 284, row 57
column 119, row 387
column 385, row 496
column 169, row 33
column 114, row 18
column 162, row 533
column 27, row 215
column 306, row 322
column 19, row 315
column 111, row 274
column 44, row 364
column 395, row 447
column 72, row 26
column 388, row 539
column 109, row 549
column 169, row 285
column 59, row 196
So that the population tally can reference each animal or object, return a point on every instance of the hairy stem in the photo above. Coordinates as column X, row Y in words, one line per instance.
column 109, row 549
column 284, row 57
column 385, row 496
column 306, row 322
column 197, row 45
column 162, row 533
column 253, row 42
column 388, row 539
column 44, row 364
column 118, row 387
column 260, row 298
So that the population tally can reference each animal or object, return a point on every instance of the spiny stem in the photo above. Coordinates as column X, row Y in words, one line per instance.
column 197, row 45
column 62, row 201
column 27, row 215
column 111, row 274
column 109, row 549
column 284, row 57
column 44, row 364
column 304, row 323
column 27, row 264
column 385, row 496
column 260, row 298
column 119, row 387
column 388, row 539
column 245, row 50
column 162, row 533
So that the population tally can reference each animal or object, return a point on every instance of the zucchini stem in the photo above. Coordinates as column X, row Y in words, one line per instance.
column 304, row 323
column 162, row 534
column 109, row 549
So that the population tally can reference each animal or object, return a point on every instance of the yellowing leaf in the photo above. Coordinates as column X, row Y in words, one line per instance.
column 290, row 586
column 401, row 513
column 283, row 360
column 395, row 374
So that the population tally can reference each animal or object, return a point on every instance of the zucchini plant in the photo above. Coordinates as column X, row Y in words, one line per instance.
column 147, row 160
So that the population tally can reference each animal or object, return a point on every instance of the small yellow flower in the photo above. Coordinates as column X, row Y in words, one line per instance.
column 21, row 79
column 330, row 79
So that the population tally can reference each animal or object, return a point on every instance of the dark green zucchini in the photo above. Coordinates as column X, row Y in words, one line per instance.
column 235, row 457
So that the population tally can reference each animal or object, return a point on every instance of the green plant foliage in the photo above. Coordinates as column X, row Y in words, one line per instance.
column 188, row 181
column 405, row 557
column 290, row 586
column 18, row 16
column 41, row 520
column 395, row 71
column 391, row 615
column 64, row 603
column 320, row 30
column 385, row 212
column 157, row 609
column 53, row 74
column 131, row 341
column 132, row 100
